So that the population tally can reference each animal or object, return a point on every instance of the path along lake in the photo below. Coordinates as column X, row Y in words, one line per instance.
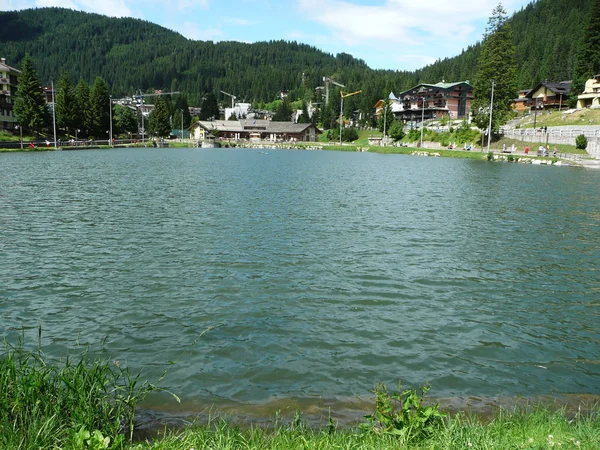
column 322, row 272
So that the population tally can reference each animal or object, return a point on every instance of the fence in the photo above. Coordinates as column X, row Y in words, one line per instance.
column 558, row 135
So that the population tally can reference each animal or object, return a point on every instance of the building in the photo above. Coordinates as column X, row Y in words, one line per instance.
column 590, row 98
column 521, row 103
column 255, row 130
column 433, row 101
column 9, row 80
column 549, row 94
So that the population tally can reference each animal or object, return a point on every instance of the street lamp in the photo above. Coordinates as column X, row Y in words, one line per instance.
column 20, row 134
column 110, row 115
column 76, row 136
column 422, row 91
column 491, row 112
column 384, row 120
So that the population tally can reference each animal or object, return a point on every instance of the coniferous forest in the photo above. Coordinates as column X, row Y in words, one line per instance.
column 133, row 55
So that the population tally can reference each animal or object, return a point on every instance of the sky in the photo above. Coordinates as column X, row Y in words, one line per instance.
column 386, row 34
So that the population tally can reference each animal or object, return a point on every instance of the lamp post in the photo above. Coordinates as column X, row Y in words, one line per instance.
column 422, row 91
column 384, row 120
column 341, row 116
column 76, row 136
column 491, row 112
column 21, row 135
column 110, row 116
column 182, row 125
column 53, row 113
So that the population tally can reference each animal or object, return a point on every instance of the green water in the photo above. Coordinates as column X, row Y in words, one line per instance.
column 322, row 272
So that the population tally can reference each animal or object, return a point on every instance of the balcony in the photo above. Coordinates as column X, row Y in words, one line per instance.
column 5, row 92
column 4, row 80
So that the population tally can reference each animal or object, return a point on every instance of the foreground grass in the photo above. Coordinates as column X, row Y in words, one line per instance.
column 536, row 429
column 90, row 404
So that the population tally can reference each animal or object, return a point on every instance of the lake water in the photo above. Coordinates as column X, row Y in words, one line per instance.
column 322, row 273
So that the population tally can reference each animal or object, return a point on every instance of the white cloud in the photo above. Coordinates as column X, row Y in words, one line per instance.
column 187, row 4
column 433, row 29
column 238, row 21
column 11, row 5
column 113, row 8
column 192, row 31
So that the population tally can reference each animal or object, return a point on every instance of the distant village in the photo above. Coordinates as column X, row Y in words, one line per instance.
column 420, row 103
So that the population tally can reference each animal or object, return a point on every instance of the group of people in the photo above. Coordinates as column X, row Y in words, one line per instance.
column 543, row 150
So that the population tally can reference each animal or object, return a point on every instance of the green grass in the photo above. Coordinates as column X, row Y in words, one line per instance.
column 86, row 403
column 559, row 118
column 533, row 429
column 46, row 403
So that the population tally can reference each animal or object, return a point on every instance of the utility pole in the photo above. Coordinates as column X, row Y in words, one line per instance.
column 343, row 96
column 53, row 113
column 491, row 112
column 422, row 91
column 110, row 116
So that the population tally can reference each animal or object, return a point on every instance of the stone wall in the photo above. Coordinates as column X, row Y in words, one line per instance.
column 558, row 135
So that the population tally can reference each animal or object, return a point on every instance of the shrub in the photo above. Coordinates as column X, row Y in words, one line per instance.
column 581, row 142
column 402, row 413
column 490, row 156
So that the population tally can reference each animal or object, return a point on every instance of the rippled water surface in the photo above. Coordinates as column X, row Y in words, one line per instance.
column 322, row 272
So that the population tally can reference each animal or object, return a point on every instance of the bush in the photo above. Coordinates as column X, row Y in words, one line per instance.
column 402, row 413
column 581, row 142
column 490, row 156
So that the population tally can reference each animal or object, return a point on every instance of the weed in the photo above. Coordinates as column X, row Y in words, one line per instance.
column 402, row 413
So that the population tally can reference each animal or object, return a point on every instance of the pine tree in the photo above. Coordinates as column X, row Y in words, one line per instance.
column 387, row 115
column 210, row 108
column 159, row 120
column 30, row 102
column 124, row 120
column 497, row 64
column 304, row 118
column 588, row 55
column 181, row 105
column 99, row 109
column 65, row 104
column 82, row 100
column 284, row 112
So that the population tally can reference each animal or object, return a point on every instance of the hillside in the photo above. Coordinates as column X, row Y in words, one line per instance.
column 132, row 54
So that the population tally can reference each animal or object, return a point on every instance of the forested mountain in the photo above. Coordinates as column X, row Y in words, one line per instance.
column 132, row 54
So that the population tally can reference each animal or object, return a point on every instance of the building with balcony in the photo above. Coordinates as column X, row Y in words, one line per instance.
column 590, row 98
column 432, row 101
column 9, row 80
column 548, row 94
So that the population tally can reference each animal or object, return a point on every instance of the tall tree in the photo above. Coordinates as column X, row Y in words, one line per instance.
column 99, row 109
column 385, row 116
column 588, row 55
column 210, row 108
column 304, row 118
column 125, row 120
column 284, row 112
column 30, row 102
column 65, row 104
column 181, row 106
column 82, row 100
column 497, row 65
column 160, row 123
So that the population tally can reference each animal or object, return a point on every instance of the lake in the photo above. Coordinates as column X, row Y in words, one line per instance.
column 320, row 273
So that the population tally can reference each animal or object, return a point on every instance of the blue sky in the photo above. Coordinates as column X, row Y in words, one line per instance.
column 386, row 34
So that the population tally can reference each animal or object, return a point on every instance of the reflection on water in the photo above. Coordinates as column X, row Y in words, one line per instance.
column 322, row 273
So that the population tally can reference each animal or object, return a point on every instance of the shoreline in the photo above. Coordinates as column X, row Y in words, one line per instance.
column 570, row 160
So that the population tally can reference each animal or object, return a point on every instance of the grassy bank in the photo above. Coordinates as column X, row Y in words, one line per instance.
column 83, row 403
